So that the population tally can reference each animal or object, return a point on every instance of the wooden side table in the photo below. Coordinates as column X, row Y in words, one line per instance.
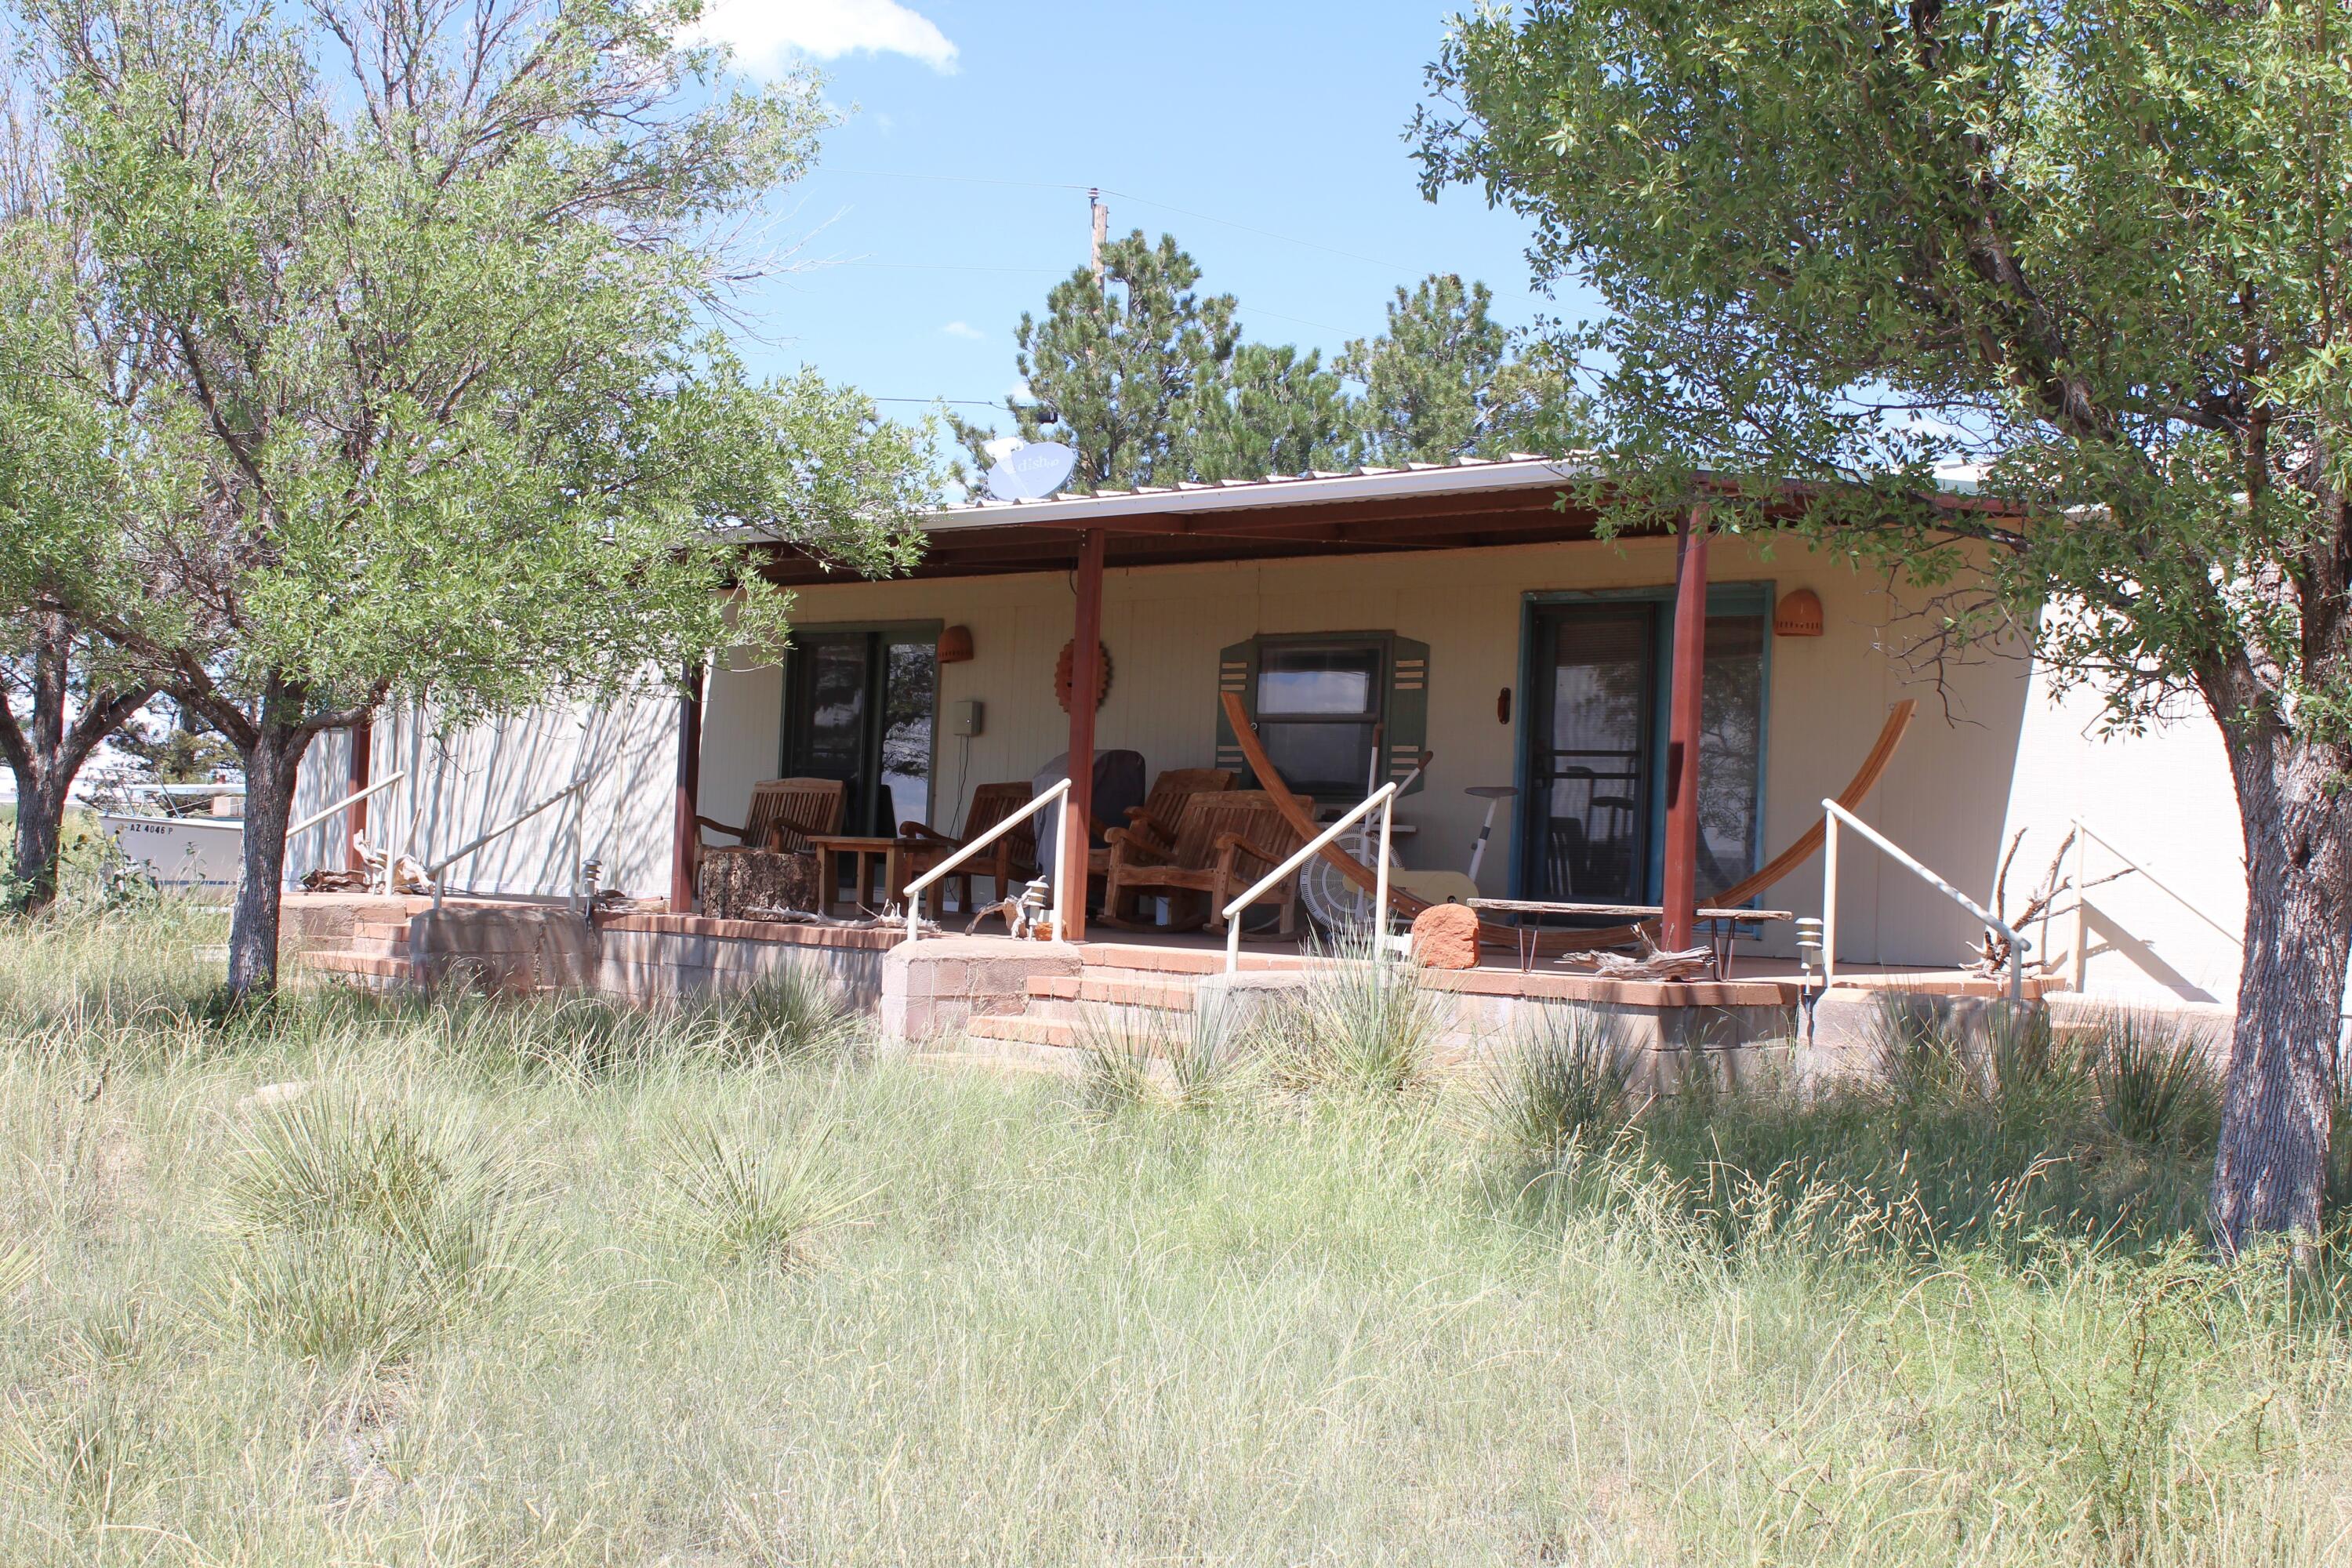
column 862, row 854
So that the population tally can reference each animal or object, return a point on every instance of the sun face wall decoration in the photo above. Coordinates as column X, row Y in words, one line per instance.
column 1062, row 668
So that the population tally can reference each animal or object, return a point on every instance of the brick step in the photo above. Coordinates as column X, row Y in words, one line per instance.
column 1177, row 960
column 386, row 931
column 1023, row 1029
column 380, row 946
column 1116, row 987
column 366, row 965
column 1110, row 1019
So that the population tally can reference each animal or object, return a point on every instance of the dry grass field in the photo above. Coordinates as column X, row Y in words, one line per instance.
column 349, row 1282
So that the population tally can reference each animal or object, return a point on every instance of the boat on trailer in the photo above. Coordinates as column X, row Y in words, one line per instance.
column 180, row 852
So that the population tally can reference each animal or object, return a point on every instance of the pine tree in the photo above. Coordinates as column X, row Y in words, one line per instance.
column 1118, row 372
column 1276, row 411
column 1429, row 379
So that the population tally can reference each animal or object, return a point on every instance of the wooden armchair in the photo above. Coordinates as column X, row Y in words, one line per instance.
column 1224, row 841
column 1011, row 856
column 785, row 813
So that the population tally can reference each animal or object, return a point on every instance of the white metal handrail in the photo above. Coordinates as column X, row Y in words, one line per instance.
column 317, row 818
column 1061, row 863
column 435, row 870
column 1384, row 798
column 2085, row 834
column 1838, row 814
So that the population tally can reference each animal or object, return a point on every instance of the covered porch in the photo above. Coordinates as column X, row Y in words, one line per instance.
column 1650, row 720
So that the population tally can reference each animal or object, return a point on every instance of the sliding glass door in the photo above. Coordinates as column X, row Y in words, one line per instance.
column 860, row 706
column 1593, row 801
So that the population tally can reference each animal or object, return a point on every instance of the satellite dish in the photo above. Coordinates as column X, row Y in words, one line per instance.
column 1030, row 471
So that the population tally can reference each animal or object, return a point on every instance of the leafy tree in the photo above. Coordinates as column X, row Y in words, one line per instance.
column 1274, row 411
column 2102, row 244
column 1428, row 379
column 1118, row 372
column 61, row 692
column 440, row 416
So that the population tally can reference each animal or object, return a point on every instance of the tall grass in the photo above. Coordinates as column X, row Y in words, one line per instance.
column 1356, row 1023
column 677, row 1295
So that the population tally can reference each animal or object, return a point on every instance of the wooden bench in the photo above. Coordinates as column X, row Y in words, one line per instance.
column 1721, row 923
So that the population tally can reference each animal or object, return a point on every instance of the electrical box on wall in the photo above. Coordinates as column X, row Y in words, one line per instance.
column 968, row 717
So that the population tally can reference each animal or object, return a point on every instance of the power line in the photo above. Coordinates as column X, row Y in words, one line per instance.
column 1129, row 196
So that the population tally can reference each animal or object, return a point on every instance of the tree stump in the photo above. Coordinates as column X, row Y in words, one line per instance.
column 734, row 882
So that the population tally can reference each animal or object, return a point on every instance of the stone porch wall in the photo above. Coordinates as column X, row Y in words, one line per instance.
column 639, row 959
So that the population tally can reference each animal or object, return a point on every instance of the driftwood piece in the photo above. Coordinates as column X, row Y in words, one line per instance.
column 1992, row 954
column 1690, row 963
column 892, row 918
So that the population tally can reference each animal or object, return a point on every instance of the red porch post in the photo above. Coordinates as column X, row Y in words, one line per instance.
column 1086, row 681
column 363, row 750
column 1681, row 899
column 689, row 793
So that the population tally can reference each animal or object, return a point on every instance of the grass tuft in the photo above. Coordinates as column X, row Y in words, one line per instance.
column 1361, row 1024
column 754, row 1198
column 358, row 1229
column 2156, row 1082
column 1568, row 1078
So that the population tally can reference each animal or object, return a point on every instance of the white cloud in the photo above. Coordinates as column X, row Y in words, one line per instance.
column 769, row 33
column 963, row 330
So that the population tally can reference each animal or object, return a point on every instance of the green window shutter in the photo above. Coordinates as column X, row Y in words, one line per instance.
column 1236, row 672
column 1408, row 708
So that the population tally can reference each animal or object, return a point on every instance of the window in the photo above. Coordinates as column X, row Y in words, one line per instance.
column 1338, row 714
column 1319, row 708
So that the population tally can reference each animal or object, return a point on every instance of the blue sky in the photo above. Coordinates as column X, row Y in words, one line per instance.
column 1275, row 119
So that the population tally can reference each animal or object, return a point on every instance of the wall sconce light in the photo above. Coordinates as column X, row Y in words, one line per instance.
column 955, row 645
column 1798, row 614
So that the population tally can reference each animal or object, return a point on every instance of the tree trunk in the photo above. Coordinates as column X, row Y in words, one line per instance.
column 271, row 768
column 2270, row 1167
column 46, row 753
column 40, row 825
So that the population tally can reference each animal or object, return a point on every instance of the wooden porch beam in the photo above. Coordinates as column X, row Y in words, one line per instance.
column 687, row 797
column 1085, row 679
column 1681, row 894
column 362, row 759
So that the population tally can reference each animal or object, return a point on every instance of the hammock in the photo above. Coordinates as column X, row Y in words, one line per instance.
column 1808, row 843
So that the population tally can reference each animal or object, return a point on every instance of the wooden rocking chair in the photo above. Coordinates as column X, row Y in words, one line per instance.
column 1225, row 841
column 1011, row 856
column 1162, row 808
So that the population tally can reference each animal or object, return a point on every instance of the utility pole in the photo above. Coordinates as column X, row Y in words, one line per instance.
column 1101, row 216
